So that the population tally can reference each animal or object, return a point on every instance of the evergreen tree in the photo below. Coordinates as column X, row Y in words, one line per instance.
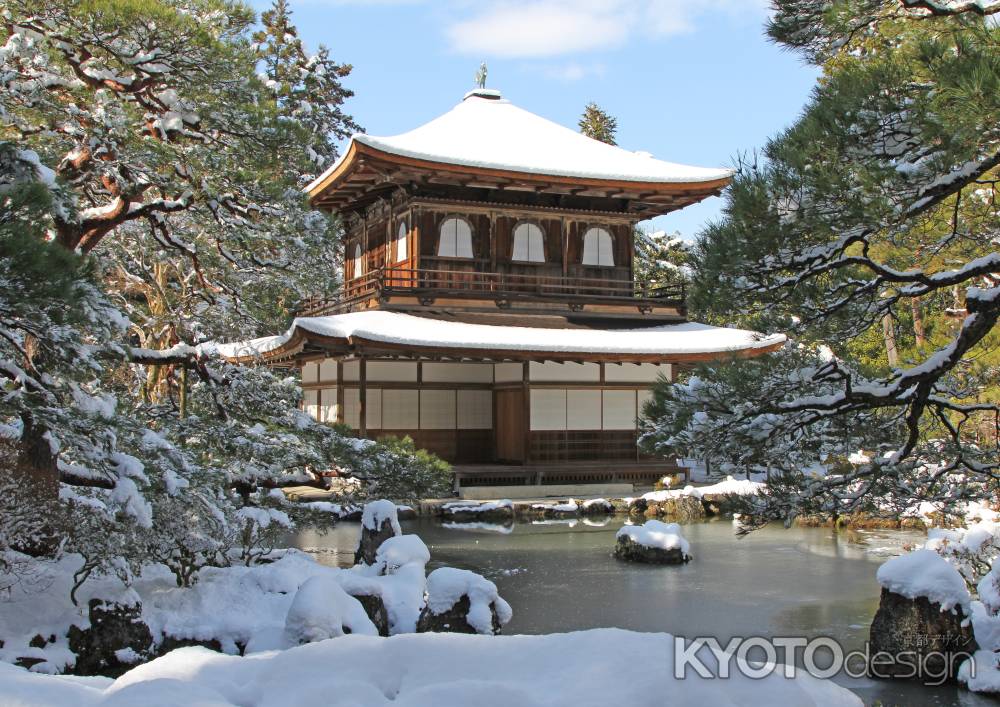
column 662, row 261
column 878, row 203
column 170, row 216
column 307, row 87
column 598, row 125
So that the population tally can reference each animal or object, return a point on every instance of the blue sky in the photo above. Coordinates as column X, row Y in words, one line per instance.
column 691, row 81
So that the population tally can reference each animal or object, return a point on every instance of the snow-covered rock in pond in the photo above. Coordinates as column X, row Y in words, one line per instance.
column 596, row 507
column 924, row 573
column 676, row 505
column 472, row 512
column 460, row 601
column 564, row 509
column 379, row 522
column 322, row 609
column 653, row 542
column 923, row 612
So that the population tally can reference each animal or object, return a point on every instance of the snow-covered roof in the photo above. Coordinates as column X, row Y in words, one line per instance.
column 669, row 341
column 488, row 131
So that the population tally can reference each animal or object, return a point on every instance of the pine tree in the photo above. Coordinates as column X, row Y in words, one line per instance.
column 598, row 125
column 662, row 261
column 151, row 204
column 881, row 195
column 307, row 87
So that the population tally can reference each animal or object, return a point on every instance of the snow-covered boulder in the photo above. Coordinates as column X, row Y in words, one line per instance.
column 379, row 522
column 923, row 611
column 471, row 512
column 322, row 609
column 720, row 498
column 399, row 570
column 115, row 639
column 563, row 509
column 460, row 601
column 653, row 542
column 401, row 550
column 596, row 507
column 683, row 505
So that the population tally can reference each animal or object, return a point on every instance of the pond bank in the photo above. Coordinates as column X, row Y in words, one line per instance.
column 693, row 503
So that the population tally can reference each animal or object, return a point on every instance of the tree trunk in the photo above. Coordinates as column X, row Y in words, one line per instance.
column 36, row 474
column 889, row 333
column 36, row 461
column 918, row 321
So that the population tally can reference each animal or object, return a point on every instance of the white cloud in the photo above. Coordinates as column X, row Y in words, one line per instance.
column 545, row 28
column 573, row 71
column 537, row 29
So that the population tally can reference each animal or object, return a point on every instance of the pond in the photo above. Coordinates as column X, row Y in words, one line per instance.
column 560, row 576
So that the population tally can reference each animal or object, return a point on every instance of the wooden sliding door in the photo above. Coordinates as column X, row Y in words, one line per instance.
column 511, row 427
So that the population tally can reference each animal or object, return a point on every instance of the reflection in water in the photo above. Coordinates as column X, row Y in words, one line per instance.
column 775, row 582
column 492, row 527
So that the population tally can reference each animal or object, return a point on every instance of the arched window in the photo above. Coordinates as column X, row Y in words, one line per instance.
column 598, row 247
column 358, row 261
column 401, row 242
column 529, row 243
column 456, row 238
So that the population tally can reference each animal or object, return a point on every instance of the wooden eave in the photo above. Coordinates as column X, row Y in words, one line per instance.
column 365, row 168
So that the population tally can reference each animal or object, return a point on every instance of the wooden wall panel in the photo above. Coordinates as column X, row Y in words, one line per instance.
column 454, row 446
column 504, row 235
column 555, row 446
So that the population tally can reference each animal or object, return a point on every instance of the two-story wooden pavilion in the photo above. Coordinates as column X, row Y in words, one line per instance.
column 489, row 309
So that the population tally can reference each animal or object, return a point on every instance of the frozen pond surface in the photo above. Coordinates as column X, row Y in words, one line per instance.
column 560, row 576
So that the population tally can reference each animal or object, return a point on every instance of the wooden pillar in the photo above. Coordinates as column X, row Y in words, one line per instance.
column 565, row 245
column 526, row 406
column 493, row 241
column 339, row 417
column 390, row 237
column 636, row 425
column 365, row 248
column 420, row 385
column 417, row 241
column 363, row 396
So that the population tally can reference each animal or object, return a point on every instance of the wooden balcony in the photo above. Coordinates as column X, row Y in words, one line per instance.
column 467, row 280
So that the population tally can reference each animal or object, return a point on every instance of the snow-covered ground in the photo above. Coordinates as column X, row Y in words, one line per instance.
column 586, row 668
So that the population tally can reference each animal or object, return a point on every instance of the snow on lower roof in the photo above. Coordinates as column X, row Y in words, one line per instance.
column 491, row 132
column 409, row 330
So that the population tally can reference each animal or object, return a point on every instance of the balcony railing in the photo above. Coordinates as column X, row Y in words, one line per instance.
column 501, row 286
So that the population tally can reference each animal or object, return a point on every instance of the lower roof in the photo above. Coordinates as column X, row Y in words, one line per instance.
column 380, row 332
